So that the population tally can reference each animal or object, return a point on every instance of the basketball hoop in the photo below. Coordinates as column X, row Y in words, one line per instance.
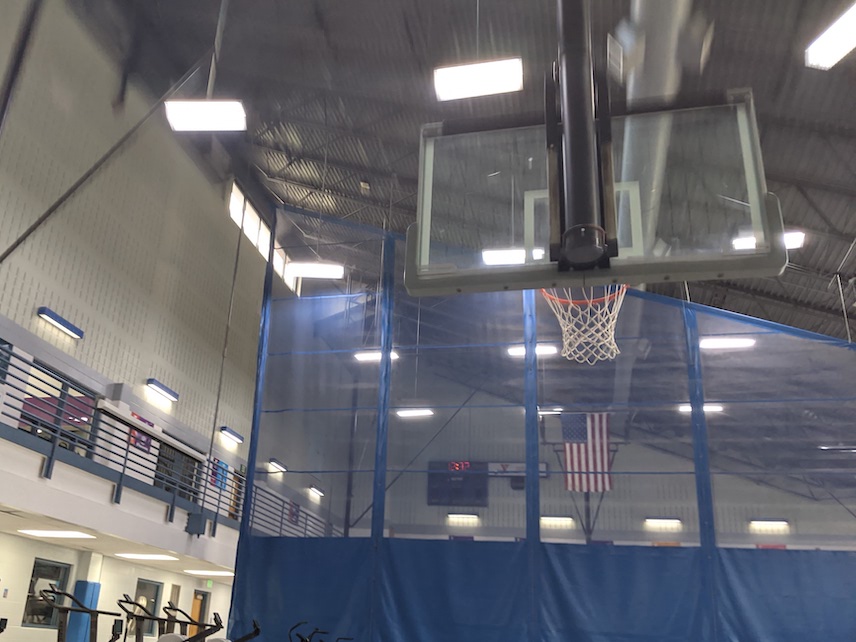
column 588, row 323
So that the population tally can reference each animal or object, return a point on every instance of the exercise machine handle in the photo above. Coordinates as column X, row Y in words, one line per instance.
column 252, row 634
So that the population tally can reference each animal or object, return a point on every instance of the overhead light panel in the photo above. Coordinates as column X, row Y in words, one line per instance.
column 744, row 243
column 794, row 240
column 374, row 355
column 59, row 322
column 542, row 350
column 511, row 256
column 231, row 435
column 409, row 413
column 725, row 343
column 297, row 269
column 206, row 115
column 663, row 524
column 557, row 522
column 834, row 43
column 277, row 466
column 161, row 389
column 49, row 534
column 462, row 519
column 316, row 491
column 549, row 412
column 708, row 407
column 148, row 557
column 769, row 526
column 203, row 573
column 478, row 79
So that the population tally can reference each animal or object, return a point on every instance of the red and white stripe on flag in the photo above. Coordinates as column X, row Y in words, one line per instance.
column 587, row 454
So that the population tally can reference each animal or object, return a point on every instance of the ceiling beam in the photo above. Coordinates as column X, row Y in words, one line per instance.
column 832, row 187
column 729, row 288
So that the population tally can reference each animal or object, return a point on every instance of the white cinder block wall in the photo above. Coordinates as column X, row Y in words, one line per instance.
column 141, row 257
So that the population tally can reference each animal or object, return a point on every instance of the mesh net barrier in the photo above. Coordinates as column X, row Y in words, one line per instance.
column 587, row 317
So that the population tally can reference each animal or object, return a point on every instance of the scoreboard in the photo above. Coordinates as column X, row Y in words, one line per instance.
column 457, row 483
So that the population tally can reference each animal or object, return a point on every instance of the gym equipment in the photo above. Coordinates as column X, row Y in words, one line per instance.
column 172, row 613
column 302, row 638
column 53, row 595
column 141, row 615
column 3, row 622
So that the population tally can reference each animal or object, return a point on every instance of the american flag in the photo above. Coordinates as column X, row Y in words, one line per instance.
column 586, row 438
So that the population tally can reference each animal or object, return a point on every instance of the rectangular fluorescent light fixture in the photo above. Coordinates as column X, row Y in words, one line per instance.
column 541, row 349
column 834, row 43
column 161, row 389
column 277, row 466
column 478, row 79
column 149, row 557
column 708, row 407
column 60, row 323
column 547, row 413
column 316, row 491
column 56, row 534
column 769, row 526
column 557, row 522
column 462, row 519
column 374, row 355
column 297, row 269
column 663, row 524
column 409, row 413
column 201, row 573
column 206, row 115
column 744, row 243
column 511, row 256
column 794, row 239
column 231, row 435
column 725, row 343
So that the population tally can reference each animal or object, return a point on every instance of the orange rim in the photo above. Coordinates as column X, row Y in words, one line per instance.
column 599, row 300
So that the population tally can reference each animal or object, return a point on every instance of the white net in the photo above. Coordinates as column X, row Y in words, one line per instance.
column 588, row 321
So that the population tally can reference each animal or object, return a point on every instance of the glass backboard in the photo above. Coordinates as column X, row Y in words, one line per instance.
column 691, row 204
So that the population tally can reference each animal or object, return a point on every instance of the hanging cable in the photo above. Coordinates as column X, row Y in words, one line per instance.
column 843, row 308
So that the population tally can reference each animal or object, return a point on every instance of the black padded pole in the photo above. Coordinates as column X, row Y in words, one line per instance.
column 584, row 241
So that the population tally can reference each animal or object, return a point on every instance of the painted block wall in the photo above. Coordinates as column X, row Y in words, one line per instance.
column 141, row 257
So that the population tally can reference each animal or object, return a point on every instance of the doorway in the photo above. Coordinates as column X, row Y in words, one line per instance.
column 199, row 610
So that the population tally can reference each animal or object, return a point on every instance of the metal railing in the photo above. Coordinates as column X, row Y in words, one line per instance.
column 64, row 422
column 273, row 515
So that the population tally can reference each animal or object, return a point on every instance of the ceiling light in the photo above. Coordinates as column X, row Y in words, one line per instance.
column 59, row 322
column 374, row 355
column 56, row 534
column 547, row 413
column 663, row 524
column 296, row 269
column 206, row 115
column 316, row 491
column 150, row 557
column 203, row 573
column 277, row 466
column 725, row 343
column 408, row 413
column 794, row 239
column 744, row 243
column 462, row 519
column 542, row 349
column 557, row 522
column 511, row 256
column 164, row 391
column 479, row 79
column 769, row 526
column 834, row 43
column 708, row 407
column 231, row 435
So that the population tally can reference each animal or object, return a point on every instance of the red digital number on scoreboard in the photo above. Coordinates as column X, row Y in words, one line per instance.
column 458, row 466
